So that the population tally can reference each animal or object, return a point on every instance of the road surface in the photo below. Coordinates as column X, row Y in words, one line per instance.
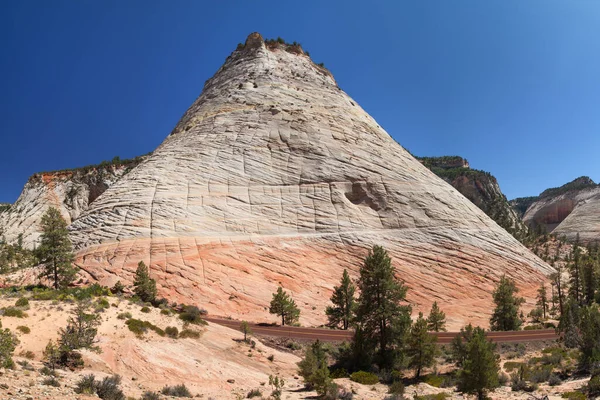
column 333, row 335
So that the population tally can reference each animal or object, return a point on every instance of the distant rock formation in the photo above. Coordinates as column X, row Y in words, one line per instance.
column 481, row 188
column 275, row 176
column 70, row 191
column 568, row 210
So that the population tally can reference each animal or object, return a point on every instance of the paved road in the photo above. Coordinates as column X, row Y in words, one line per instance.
column 332, row 335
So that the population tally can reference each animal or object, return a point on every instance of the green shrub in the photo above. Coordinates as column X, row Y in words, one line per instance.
column 150, row 396
column 554, row 380
column 176, row 391
column 8, row 344
column 193, row 315
column 434, row 380
column 102, row 304
column 509, row 366
column 23, row 329
column 540, row 374
column 533, row 327
column 86, row 385
column 22, row 302
column 365, row 378
column 172, row 332
column 188, row 333
column 14, row 312
column 28, row 354
column 165, row 311
column 26, row 365
column 145, row 309
column 338, row 373
column 573, row 396
column 396, row 387
column 141, row 327
column 438, row 396
column 109, row 389
column 124, row 315
column 47, row 371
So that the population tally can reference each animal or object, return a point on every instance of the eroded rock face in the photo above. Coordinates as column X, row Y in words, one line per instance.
column 274, row 176
column 70, row 191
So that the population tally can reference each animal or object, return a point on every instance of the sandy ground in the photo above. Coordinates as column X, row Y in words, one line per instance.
column 217, row 365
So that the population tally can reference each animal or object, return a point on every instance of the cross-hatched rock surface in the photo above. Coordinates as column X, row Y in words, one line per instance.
column 275, row 176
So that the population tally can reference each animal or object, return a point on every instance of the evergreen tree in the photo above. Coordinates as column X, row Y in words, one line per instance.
column 246, row 330
column 479, row 372
column 506, row 313
column 558, row 283
column 344, row 304
column 458, row 346
column 313, row 368
column 542, row 300
column 143, row 286
column 81, row 329
column 421, row 346
column 383, row 319
column 8, row 344
column 588, row 280
column 284, row 306
column 55, row 251
column 574, row 266
column 589, row 343
column 436, row 322
column 569, row 324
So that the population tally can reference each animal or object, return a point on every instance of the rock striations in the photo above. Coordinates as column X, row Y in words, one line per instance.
column 274, row 176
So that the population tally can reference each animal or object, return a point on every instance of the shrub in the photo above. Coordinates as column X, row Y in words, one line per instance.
column 47, row 371
column 23, row 329
column 437, row 396
column 165, row 311
column 140, row 327
column 145, row 309
column 365, row 378
column 193, row 315
column 22, row 302
column 540, row 374
column 271, row 358
column 86, row 385
column 124, row 315
column 254, row 393
column 26, row 365
column 14, row 312
column 503, row 379
column 8, row 344
column 172, row 332
column 102, row 304
column 51, row 381
column 28, row 354
column 81, row 329
column 150, row 396
column 188, row 333
column 573, row 396
column 118, row 288
column 109, row 389
column 434, row 380
column 396, row 388
column 554, row 380
column 176, row 391
column 509, row 366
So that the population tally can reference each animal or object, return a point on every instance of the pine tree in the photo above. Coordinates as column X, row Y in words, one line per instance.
column 313, row 368
column 436, row 322
column 421, row 346
column 246, row 330
column 344, row 304
column 574, row 267
column 506, row 313
column 589, row 343
column 588, row 280
column 479, row 372
column 569, row 324
column 143, row 286
column 81, row 329
column 558, row 283
column 542, row 300
column 458, row 346
column 55, row 251
column 383, row 319
column 284, row 306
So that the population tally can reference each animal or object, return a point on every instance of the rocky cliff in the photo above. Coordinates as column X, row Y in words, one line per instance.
column 481, row 188
column 275, row 176
column 70, row 191
column 571, row 209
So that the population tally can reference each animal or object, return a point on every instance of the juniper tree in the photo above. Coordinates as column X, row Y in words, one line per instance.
column 479, row 371
column 421, row 346
column 246, row 330
column 81, row 329
column 284, row 306
column 383, row 319
column 344, row 304
column 436, row 322
column 144, row 286
column 506, row 314
column 55, row 251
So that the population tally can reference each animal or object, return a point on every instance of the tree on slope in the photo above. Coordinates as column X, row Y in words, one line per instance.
column 55, row 251
column 144, row 286
column 383, row 319
column 506, row 313
column 479, row 371
column 421, row 346
column 284, row 306
column 344, row 304
column 436, row 322
column 542, row 299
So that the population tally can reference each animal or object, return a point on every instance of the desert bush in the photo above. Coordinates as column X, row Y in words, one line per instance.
column 176, row 391
column 101, row 305
column 23, row 329
column 118, row 288
column 150, row 396
column 27, row 354
column 86, row 385
column 51, row 381
column 124, row 315
column 254, row 393
column 26, row 365
column 437, row 396
column 81, row 329
column 503, row 379
column 573, row 396
column 140, row 327
column 47, row 371
column 396, row 387
column 165, row 311
column 509, row 366
column 193, row 315
column 338, row 373
column 145, row 309
column 188, row 333
column 172, row 332
column 14, row 312
column 434, row 380
column 109, row 389
column 271, row 357
column 8, row 344
column 554, row 380
column 540, row 374
column 22, row 302
column 365, row 378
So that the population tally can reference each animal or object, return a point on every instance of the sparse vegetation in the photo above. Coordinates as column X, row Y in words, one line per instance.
column 140, row 328
column 176, row 391
column 172, row 332
column 23, row 329
column 364, row 378
column 107, row 389
column 8, row 344
column 189, row 333
column 192, row 315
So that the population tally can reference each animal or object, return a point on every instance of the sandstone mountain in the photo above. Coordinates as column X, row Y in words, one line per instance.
column 275, row 176
column 70, row 191
column 481, row 188
column 571, row 209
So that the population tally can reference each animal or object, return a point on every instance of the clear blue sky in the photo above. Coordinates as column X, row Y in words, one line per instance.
column 513, row 86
